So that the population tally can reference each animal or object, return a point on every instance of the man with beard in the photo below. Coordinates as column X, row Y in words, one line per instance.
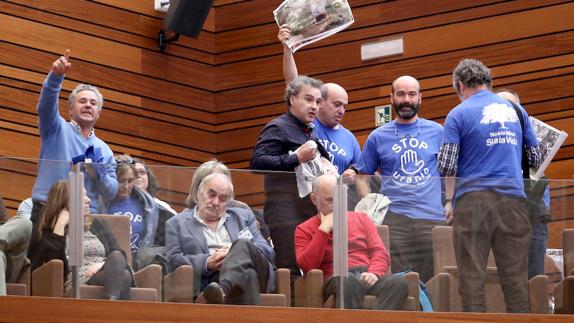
column 283, row 144
column 404, row 152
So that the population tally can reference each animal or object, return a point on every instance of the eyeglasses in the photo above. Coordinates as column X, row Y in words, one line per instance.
column 124, row 161
column 402, row 135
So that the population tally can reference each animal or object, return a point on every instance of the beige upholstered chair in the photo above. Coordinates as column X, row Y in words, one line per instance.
column 48, row 280
column 178, row 287
column 443, row 287
column 309, row 288
column 22, row 287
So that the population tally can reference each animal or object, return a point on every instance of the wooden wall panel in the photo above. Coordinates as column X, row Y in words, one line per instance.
column 210, row 97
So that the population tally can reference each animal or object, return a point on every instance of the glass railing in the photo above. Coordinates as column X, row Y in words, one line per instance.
column 170, row 243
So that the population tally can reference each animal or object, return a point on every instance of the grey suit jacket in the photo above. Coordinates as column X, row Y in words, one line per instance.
column 186, row 243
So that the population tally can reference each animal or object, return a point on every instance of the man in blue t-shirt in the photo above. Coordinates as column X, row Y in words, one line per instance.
column 404, row 152
column 340, row 143
column 482, row 146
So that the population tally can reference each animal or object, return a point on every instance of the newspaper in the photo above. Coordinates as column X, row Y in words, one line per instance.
column 312, row 20
column 549, row 139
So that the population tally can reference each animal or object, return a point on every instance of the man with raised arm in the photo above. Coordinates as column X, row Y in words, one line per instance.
column 340, row 143
column 66, row 142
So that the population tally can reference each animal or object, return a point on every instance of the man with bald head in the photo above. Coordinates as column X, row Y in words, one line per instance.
column 368, row 259
column 404, row 152
column 341, row 145
column 539, row 238
column 231, row 261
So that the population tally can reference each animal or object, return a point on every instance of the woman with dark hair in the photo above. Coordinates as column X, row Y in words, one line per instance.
column 134, row 202
column 104, row 263
column 148, row 182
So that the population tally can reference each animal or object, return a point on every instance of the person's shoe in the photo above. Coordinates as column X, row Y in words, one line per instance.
column 214, row 294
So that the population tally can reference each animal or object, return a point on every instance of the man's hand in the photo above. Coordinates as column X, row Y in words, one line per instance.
column 284, row 34
column 349, row 176
column 368, row 279
column 306, row 153
column 62, row 65
column 448, row 212
column 326, row 222
column 215, row 261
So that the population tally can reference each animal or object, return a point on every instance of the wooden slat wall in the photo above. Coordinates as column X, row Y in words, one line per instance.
column 209, row 97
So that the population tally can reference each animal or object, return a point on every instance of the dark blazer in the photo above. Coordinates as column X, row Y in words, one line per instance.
column 186, row 243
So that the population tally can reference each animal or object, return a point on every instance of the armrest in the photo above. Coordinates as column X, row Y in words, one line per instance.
column 413, row 280
column 438, row 288
column 283, row 284
column 564, row 296
column 309, row 289
column 538, row 294
column 48, row 279
column 178, row 285
column 149, row 277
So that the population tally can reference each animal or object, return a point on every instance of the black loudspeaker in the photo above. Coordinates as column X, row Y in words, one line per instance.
column 186, row 17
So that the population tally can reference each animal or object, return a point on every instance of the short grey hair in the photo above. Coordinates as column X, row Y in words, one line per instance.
column 471, row 73
column 86, row 87
column 295, row 86
column 204, row 170
column 210, row 177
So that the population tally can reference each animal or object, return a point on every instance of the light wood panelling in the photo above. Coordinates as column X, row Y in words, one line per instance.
column 210, row 97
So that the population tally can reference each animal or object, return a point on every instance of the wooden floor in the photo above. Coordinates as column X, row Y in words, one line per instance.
column 38, row 309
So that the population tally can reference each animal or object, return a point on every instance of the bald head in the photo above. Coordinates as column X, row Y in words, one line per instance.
column 406, row 98
column 322, row 195
column 335, row 100
column 406, row 80
column 509, row 95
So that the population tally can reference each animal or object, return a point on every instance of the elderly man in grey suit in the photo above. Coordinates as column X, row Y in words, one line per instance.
column 232, row 262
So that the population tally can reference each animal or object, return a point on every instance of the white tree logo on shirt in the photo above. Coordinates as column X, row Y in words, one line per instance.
column 497, row 112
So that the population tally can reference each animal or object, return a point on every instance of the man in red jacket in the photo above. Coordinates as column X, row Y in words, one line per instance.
column 368, row 258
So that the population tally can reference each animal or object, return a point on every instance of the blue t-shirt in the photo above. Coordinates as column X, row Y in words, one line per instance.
column 406, row 156
column 135, row 210
column 488, row 132
column 340, row 143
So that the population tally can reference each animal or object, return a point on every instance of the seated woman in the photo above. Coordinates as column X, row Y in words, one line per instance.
column 104, row 263
column 215, row 166
column 148, row 182
column 134, row 202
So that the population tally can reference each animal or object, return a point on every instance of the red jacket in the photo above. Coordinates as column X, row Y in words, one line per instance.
column 314, row 248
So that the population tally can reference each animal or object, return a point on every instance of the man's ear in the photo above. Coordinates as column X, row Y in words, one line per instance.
column 314, row 199
column 291, row 100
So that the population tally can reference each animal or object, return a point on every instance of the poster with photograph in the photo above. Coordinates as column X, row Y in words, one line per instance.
column 312, row 20
column 549, row 139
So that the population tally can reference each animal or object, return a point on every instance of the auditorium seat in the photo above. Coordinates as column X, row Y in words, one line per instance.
column 47, row 280
column 309, row 288
column 178, row 287
column 22, row 287
column 443, row 287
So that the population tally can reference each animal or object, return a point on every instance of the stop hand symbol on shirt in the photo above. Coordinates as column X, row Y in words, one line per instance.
column 410, row 164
